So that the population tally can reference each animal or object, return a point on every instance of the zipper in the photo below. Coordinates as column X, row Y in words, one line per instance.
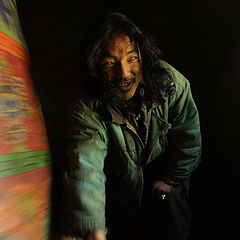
column 130, row 127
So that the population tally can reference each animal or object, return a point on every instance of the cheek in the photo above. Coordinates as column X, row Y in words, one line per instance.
column 136, row 69
column 108, row 74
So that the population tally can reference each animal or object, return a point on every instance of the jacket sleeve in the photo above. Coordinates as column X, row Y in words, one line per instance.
column 84, row 179
column 183, row 153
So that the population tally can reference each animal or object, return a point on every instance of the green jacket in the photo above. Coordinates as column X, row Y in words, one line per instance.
column 106, row 156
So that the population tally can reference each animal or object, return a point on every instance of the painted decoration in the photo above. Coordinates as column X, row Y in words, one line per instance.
column 25, row 174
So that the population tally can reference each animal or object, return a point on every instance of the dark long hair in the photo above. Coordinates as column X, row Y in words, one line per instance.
column 156, row 81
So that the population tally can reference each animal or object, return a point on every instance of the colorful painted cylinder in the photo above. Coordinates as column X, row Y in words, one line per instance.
column 24, row 152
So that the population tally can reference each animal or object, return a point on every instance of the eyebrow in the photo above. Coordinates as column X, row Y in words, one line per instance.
column 111, row 56
column 107, row 55
column 131, row 51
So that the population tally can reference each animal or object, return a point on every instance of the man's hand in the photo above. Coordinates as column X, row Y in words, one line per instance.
column 98, row 234
column 160, row 187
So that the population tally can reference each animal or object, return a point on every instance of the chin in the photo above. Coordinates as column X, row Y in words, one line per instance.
column 126, row 98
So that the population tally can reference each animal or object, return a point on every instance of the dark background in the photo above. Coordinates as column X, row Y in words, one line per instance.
column 201, row 39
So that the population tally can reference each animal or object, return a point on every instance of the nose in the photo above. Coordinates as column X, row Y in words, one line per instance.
column 124, row 70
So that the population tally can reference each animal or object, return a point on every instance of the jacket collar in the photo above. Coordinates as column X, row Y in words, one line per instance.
column 117, row 116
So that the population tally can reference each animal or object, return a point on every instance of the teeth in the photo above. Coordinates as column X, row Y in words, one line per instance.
column 124, row 84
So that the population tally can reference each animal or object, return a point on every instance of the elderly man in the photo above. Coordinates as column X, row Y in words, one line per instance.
column 133, row 141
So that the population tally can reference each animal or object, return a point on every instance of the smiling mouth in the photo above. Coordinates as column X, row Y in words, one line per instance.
column 125, row 86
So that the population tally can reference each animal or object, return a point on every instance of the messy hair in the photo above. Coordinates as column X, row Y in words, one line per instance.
column 156, row 82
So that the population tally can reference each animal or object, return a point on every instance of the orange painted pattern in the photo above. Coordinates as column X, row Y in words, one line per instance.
column 10, row 45
column 24, row 206
column 25, row 196
column 22, row 125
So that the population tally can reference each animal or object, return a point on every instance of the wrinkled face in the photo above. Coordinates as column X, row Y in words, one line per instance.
column 120, row 62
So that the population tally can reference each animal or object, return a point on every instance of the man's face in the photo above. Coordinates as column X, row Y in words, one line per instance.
column 120, row 62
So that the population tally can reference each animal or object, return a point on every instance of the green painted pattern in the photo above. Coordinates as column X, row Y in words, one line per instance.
column 17, row 163
column 9, row 21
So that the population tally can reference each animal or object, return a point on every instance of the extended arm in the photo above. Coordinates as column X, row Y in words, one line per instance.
column 84, row 179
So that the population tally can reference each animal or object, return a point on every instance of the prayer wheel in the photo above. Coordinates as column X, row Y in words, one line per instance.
column 25, row 174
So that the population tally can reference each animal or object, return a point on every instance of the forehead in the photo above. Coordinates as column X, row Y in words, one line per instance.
column 119, row 42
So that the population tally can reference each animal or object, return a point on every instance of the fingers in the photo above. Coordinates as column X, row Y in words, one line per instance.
column 161, row 187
